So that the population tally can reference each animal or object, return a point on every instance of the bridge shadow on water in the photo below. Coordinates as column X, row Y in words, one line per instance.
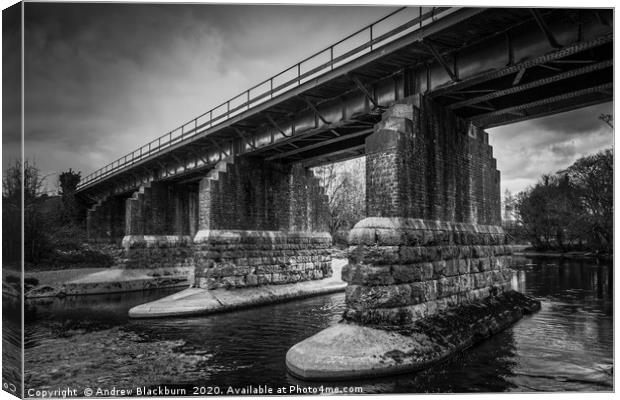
column 90, row 342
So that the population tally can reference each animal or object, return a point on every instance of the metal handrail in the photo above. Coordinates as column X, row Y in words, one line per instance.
column 208, row 119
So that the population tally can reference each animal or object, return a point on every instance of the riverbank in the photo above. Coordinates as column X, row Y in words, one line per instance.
column 90, row 281
column 42, row 281
column 589, row 255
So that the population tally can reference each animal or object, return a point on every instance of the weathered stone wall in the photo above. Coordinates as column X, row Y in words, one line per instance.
column 253, row 194
column 158, row 226
column 157, row 251
column 403, row 269
column 104, row 221
column 248, row 222
column 424, row 162
column 235, row 258
column 159, row 208
column 260, row 223
column 308, row 203
column 432, row 238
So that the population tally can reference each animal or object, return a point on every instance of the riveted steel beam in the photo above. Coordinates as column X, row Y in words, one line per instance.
column 545, row 58
column 481, row 107
column 492, row 123
column 321, row 144
column 572, row 61
column 542, row 102
column 297, row 138
column 540, row 82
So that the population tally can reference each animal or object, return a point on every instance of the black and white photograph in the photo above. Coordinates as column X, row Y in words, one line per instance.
column 296, row 199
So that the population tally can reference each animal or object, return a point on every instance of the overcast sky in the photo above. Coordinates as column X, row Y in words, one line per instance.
column 103, row 79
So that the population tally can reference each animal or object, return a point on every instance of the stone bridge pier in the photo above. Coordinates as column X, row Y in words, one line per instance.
column 260, row 223
column 247, row 222
column 432, row 236
column 428, row 271
column 160, row 220
column 105, row 221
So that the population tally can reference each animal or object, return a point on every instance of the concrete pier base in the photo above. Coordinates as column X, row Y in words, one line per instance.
column 418, row 291
column 351, row 351
column 201, row 301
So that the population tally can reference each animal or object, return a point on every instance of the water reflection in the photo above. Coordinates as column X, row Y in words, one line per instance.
column 11, row 343
column 566, row 346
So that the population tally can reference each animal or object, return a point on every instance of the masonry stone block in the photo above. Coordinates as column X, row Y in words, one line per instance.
column 360, row 274
column 399, row 283
column 239, row 258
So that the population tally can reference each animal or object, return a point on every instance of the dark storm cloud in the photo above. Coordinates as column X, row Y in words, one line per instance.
column 80, row 58
column 11, row 82
column 103, row 79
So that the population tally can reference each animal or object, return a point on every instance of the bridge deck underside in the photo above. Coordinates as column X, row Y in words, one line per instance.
column 491, row 67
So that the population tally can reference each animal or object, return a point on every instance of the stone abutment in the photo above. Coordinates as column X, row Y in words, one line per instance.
column 430, row 247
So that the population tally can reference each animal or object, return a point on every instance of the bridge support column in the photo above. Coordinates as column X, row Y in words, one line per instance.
column 431, row 242
column 157, row 227
column 104, row 221
column 260, row 223
column 432, row 237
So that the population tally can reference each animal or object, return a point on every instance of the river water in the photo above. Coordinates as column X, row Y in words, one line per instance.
column 89, row 342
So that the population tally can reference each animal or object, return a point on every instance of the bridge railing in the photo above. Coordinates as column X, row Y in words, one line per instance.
column 363, row 41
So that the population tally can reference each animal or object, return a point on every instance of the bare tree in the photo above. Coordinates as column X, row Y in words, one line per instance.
column 22, row 182
column 344, row 184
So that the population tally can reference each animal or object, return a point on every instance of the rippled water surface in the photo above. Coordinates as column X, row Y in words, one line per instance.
column 89, row 342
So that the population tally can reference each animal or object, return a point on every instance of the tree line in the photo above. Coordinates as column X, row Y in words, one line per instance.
column 53, row 225
column 569, row 210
